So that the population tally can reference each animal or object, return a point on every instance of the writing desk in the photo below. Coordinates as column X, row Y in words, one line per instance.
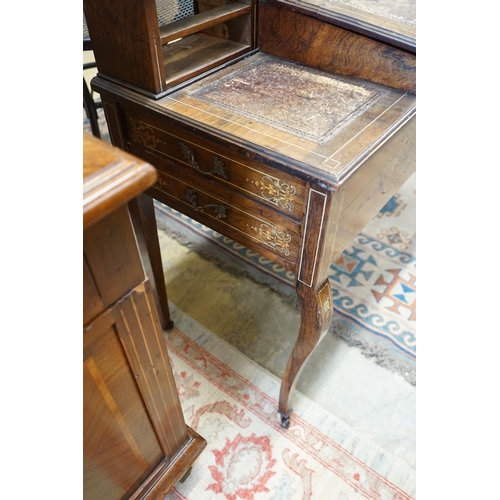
column 290, row 150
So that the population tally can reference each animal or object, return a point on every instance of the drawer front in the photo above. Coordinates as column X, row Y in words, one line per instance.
column 263, row 183
column 242, row 219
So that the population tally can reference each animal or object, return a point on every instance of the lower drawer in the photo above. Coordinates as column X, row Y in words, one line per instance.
column 244, row 220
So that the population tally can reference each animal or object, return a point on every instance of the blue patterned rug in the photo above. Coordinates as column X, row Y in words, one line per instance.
column 373, row 281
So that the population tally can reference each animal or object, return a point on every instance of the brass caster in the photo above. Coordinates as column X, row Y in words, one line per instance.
column 284, row 419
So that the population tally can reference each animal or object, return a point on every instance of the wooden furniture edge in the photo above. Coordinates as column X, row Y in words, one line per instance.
column 111, row 179
column 170, row 471
column 124, row 96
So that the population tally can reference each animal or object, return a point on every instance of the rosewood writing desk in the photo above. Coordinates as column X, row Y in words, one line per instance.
column 135, row 441
column 289, row 146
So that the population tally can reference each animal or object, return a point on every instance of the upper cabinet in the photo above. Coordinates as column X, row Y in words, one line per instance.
column 156, row 45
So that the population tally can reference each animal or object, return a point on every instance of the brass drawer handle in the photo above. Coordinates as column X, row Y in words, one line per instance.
column 192, row 197
column 219, row 167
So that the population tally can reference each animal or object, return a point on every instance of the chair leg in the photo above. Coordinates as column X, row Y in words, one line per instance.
column 90, row 109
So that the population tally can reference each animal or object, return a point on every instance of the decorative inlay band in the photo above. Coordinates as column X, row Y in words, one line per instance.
column 270, row 236
column 277, row 192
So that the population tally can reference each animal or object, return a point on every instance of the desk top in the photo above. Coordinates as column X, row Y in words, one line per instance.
column 111, row 178
column 327, row 122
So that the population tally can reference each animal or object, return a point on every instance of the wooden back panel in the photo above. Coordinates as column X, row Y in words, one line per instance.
column 297, row 37
column 126, row 41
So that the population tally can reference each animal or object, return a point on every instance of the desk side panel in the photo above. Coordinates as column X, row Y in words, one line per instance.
column 374, row 183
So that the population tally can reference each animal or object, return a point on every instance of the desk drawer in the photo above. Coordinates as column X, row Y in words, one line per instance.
column 242, row 219
column 256, row 180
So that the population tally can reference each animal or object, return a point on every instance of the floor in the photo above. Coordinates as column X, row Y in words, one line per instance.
column 369, row 398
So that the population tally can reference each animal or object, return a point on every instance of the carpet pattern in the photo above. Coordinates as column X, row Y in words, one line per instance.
column 373, row 281
column 226, row 398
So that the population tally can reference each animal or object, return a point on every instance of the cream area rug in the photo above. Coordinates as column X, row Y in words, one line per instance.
column 229, row 400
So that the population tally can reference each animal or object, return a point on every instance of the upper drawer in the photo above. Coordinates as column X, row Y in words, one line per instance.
column 259, row 181
column 238, row 217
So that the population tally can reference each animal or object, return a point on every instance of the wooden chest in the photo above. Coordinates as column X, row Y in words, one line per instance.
column 135, row 440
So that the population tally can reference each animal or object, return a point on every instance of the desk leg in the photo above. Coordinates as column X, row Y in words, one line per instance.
column 142, row 213
column 316, row 309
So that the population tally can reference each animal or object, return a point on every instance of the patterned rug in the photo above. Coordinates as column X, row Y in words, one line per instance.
column 373, row 281
column 226, row 398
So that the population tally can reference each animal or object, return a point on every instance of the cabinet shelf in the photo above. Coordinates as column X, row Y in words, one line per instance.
column 197, row 53
column 204, row 20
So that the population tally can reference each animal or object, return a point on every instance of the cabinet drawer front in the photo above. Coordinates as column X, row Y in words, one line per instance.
column 240, row 218
column 259, row 181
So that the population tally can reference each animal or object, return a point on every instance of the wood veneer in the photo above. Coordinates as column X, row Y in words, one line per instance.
column 135, row 440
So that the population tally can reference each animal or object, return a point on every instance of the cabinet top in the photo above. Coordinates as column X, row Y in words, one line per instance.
column 111, row 178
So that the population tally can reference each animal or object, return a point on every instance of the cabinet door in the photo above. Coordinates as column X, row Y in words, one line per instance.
column 120, row 445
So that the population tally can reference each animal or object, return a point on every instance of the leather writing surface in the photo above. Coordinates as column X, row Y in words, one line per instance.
column 305, row 102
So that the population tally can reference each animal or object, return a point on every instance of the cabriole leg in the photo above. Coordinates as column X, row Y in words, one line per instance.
column 315, row 318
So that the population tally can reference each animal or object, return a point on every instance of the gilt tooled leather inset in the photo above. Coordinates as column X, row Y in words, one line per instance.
column 310, row 104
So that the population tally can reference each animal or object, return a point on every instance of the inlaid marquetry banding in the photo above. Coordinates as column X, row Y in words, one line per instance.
column 157, row 420
column 99, row 381
column 355, row 136
column 161, row 415
column 306, row 274
column 158, row 334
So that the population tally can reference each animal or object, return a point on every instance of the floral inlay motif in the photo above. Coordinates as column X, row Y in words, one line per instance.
column 277, row 192
column 144, row 134
column 243, row 467
column 327, row 305
column 270, row 236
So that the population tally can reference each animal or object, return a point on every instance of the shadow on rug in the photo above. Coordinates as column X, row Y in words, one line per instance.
column 373, row 281
column 226, row 398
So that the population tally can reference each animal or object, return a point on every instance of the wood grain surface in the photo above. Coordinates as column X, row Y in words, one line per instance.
column 291, row 35
column 111, row 177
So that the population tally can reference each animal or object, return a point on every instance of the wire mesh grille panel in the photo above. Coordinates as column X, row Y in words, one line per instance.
column 168, row 11
column 85, row 28
column 172, row 10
